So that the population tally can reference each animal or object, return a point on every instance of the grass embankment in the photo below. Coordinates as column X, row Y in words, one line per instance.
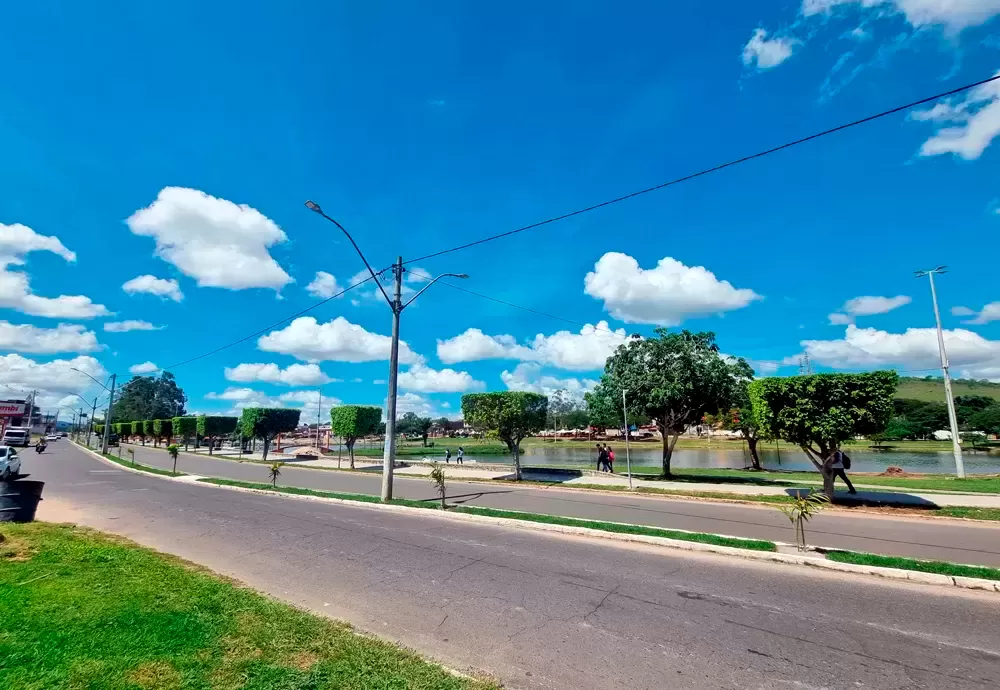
column 932, row 390
column 135, row 465
column 753, row 544
column 937, row 567
column 79, row 609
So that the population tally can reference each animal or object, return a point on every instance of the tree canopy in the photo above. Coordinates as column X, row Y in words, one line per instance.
column 351, row 422
column 674, row 379
column 149, row 397
column 509, row 416
column 212, row 427
column 412, row 423
column 987, row 420
column 267, row 422
column 186, row 427
column 821, row 411
column 163, row 428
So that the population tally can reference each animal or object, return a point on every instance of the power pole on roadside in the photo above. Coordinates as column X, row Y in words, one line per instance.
column 107, row 417
column 952, row 418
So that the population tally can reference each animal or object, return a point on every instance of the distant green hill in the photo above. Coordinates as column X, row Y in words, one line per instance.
column 932, row 389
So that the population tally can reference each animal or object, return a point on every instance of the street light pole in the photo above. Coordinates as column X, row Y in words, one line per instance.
column 628, row 459
column 107, row 417
column 952, row 418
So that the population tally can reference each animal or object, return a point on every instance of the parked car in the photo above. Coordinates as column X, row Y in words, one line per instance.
column 52, row 437
column 10, row 463
column 113, row 440
column 16, row 436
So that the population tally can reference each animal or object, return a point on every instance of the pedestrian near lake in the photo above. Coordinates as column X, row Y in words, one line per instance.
column 460, row 457
column 447, row 455
column 611, row 458
column 600, row 457
column 837, row 463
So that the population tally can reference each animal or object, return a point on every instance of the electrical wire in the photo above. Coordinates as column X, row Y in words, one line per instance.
column 716, row 168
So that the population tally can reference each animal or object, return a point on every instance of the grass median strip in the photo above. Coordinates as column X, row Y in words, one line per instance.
column 617, row 528
column 83, row 609
column 936, row 567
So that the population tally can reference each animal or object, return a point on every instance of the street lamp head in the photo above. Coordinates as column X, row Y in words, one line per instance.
column 941, row 269
column 463, row 276
column 313, row 206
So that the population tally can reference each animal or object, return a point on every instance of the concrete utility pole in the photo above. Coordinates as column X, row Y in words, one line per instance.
column 952, row 418
column 107, row 417
column 397, row 306
column 90, row 424
column 628, row 460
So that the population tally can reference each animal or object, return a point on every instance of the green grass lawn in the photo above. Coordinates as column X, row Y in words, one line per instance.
column 938, row 567
column 933, row 390
column 79, row 609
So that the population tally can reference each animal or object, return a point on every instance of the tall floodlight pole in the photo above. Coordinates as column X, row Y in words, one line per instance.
column 952, row 419
column 397, row 306
column 628, row 459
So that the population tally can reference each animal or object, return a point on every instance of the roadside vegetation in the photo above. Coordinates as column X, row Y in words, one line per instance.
column 80, row 609
column 937, row 567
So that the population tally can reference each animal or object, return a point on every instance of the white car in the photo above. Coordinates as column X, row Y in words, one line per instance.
column 52, row 437
column 10, row 463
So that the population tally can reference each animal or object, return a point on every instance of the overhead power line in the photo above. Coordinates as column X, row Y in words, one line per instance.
column 716, row 168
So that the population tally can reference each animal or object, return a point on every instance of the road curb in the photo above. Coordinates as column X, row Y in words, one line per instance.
column 747, row 554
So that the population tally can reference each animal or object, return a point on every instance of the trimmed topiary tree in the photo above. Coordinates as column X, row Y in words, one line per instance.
column 351, row 422
column 821, row 411
column 509, row 416
column 185, row 427
column 214, row 428
column 267, row 422
column 147, row 430
column 139, row 429
column 163, row 429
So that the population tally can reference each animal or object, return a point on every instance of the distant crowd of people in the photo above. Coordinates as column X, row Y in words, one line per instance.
column 605, row 458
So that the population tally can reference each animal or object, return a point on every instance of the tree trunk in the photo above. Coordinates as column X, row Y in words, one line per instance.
column 350, row 452
column 669, row 441
column 425, row 440
column 516, row 450
column 754, row 457
column 828, row 484
column 267, row 444
column 211, row 445
column 820, row 465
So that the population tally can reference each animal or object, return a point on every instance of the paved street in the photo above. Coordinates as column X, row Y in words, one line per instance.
column 547, row 611
column 959, row 541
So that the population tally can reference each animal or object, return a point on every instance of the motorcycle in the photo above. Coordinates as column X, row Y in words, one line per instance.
column 40, row 447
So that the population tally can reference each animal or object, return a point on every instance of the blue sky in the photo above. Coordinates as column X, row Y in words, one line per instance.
column 156, row 160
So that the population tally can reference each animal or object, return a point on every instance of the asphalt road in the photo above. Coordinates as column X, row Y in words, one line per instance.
column 540, row 610
column 949, row 540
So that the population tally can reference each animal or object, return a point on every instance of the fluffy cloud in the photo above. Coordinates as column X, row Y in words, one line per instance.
column 15, row 289
column 764, row 53
column 338, row 340
column 308, row 401
column 916, row 348
column 991, row 312
column 57, row 377
column 62, row 338
column 528, row 377
column 867, row 306
column 144, row 368
column 967, row 126
column 954, row 15
column 324, row 285
column 214, row 241
column 418, row 404
column 17, row 240
column 293, row 375
column 427, row 380
column 584, row 351
column 664, row 295
column 151, row 285
column 313, row 405
column 131, row 325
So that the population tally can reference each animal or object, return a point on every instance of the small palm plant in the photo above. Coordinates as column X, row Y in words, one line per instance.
column 437, row 478
column 275, row 470
column 800, row 510
column 173, row 449
column 131, row 454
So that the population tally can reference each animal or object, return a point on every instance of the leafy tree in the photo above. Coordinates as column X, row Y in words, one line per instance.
column 351, row 422
column 922, row 417
column 213, row 428
column 976, row 439
column 172, row 449
column 267, row 422
column 163, row 428
column 438, row 480
column 968, row 405
column 123, row 429
column 186, row 427
column 576, row 418
column 675, row 379
column 99, row 429
column 150, row 397
column 821, row 411
column 603, row 411
column 898, row 429
column 987, row 421
column 509, row 416
column 411, row 423
column 147, row 431
column 139, row 429
column 740, row 418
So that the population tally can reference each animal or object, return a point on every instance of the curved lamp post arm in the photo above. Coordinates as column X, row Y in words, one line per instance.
column 92, row 379
column 434, row 280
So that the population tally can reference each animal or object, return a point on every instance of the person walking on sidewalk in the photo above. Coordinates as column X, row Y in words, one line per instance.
column 447, row 455
column 602, row 457
column 611, row 458
column 460, row 456
column 836, row 464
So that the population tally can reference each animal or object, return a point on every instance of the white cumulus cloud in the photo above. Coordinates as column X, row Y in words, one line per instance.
column 17, row 240
column 215, row 241
column 664, row 295
column 62, row 338
column 292, row 375
column 338, row 340
column 867, row 306
column 989, row 313
column 966, row 125
column 584, row 351
column 954, row 15
column 129, row 325
column 151, row 285
column 428, row 380
column 528, row 377
column 324, row 285
column 144, row 368
column 57, row 377
column 764, row 53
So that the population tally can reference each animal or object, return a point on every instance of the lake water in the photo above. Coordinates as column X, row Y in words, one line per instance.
column 862, row 460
